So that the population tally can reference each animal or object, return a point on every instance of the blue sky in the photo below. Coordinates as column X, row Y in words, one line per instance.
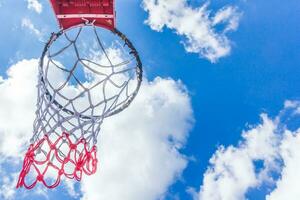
column 259, row 75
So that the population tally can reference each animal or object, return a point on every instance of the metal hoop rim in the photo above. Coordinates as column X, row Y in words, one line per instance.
column 139, row 72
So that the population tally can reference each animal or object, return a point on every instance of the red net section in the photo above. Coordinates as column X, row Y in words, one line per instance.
column 48, row 161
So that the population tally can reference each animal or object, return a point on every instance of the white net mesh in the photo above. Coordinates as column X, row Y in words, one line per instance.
column 82, row 80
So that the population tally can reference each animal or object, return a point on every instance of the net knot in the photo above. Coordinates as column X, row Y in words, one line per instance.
column 65, row 134
column 52, row 147
column 79, row 165
column 40, row 178
column 30, row 155
column 83, row 141
column 61, row 172
column 88, row 155
column 67, row 159
column 73, row 146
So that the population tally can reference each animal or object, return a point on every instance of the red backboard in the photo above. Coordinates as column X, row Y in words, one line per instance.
column 70, row 13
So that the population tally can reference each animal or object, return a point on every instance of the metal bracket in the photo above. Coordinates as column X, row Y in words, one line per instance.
column 88, row 22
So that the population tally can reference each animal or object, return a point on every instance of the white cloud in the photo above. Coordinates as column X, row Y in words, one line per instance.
column 138, row 149
column 233, row 170
column 201, row 29
column 17, row 105
column 7, row 189
column 35, row 5
column 27, row 23
column 9, row 179
column 70, row 185
column 288, row 186
column 139, row 155
column 293, row 105
column 227, row 15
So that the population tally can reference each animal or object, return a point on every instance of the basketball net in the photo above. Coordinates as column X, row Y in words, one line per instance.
column 71, row 108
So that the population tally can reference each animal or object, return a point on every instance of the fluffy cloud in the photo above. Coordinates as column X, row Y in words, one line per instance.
column 17, row 105
column 27, row 23
column 139, row 155
column 35, row 5
column 288, row 186
column 138, row 149
column 205, row 33
column 7, row 187
column 235, row 170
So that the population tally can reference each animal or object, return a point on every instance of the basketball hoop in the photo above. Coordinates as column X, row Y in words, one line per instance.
column 80, row 84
